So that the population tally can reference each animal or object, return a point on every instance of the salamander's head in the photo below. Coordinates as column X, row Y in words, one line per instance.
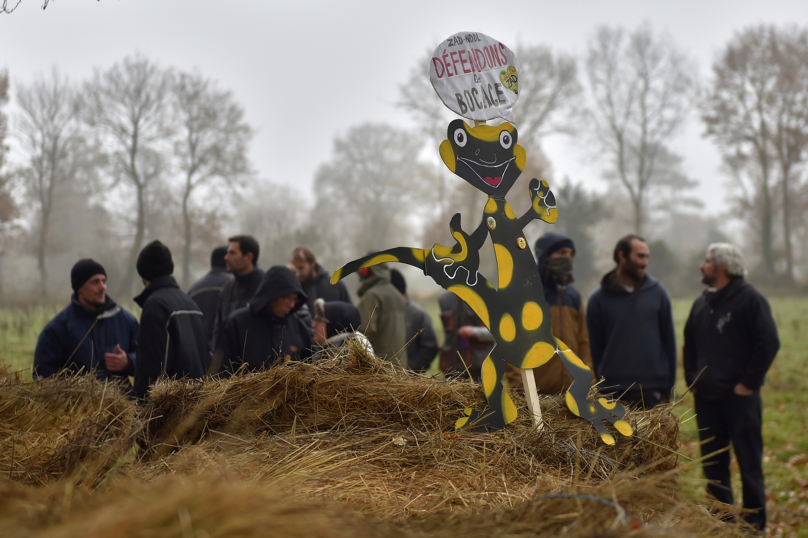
column 487, row 157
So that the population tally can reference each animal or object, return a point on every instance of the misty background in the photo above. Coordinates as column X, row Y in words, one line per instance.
column 316, row 124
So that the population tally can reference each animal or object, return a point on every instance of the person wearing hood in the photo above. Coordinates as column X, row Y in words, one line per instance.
column 384, row 314
column 730, row 342
column 316, row 281
column 172, row 341
column 205, row 291
column 555, row 253
column 241, row 260
column 631, row 330
column 335, row 324
column 92, row 334
column 267, row 330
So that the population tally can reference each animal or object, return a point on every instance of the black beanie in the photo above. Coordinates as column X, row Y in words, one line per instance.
column 397, row 280
column 217, row 257
column 342, row 317
column 561, row 244
column 84, row 270
column 154, row 261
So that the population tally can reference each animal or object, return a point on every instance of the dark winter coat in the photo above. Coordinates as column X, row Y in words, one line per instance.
column 632, row 335
column 205, row 293
column 567, row 318
column 256, row 337
column 422, row 342
column 319, row 286
column 172, row 340
column 455, row 313
column 235, row 294
column 76, row 339
column 730, row 338
column 384, row 316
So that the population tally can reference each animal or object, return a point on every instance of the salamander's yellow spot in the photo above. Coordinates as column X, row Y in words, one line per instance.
column 539, row 354
column 544, row 182
column 441, row 251
column 507, row 328
column 464, row 248
column 570, row 355
column 473, row 300
column 504, row 265
column 489, row 376
column 521, row 157
column 448, row 155
column 605, row 403
column 607, row 438
column 623, row 427
column 509, row 211
column 462, row 421
column 509, row 411
column 572, row 404
column 592, row 409
column 491, row 206
column 336, row 276
column 551, row 217
column 376, row 260
column 419, row 254
column 532, row 316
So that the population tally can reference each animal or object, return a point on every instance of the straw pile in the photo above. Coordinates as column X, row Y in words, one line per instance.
column 348, row 446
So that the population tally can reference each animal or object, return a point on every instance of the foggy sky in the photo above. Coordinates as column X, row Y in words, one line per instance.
column 306, row 71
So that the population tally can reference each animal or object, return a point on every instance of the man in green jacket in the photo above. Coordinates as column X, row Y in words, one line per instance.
column 384, row 313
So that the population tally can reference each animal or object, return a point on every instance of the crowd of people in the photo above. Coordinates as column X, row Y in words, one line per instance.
column 238, row 318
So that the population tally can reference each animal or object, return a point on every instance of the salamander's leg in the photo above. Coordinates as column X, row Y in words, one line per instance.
column 595, row 412
column 501, row 409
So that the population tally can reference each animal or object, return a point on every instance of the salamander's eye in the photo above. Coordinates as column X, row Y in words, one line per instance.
column 460, row 137
column 505, row 139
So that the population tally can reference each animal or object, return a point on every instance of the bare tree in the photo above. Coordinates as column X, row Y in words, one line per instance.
column 211, row 145
column 56, row 153
column 8, row 206
column 643, row 89
column 127, row 106
column 373, row 186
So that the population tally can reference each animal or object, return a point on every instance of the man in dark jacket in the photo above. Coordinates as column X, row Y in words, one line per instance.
column 730, row 343
column 242, row 261
column 172, row 340
column 267, row 330
column 555, row 253
column 631, row 331
column 92, row 334
column 205, row 291
column 384, row 316
column 316, row 281
column 422, row 342
column 466, row 339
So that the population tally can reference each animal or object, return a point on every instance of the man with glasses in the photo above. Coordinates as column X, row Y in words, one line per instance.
column 730, row 343
column 266, row 331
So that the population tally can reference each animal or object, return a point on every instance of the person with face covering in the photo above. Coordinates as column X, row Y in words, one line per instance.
column 335, row 324
column 631, row 331
column 266, row 331
column 555, row 253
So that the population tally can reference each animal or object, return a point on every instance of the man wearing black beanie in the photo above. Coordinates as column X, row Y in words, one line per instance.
column 92, row 334
column 172, row 341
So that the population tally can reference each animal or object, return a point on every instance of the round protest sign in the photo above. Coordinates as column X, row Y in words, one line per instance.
column 475, row 75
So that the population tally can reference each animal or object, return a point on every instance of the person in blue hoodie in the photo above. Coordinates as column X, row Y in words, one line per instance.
column 92, row 334
column 631, row 330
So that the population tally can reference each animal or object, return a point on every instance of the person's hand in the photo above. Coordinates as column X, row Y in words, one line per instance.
column 466, row 331
column 118, row 361
column 743, row 390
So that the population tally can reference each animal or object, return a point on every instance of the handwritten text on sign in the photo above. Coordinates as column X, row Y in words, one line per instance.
column 476, row 76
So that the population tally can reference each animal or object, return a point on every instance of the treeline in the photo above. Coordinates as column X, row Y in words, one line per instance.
column 140, row 151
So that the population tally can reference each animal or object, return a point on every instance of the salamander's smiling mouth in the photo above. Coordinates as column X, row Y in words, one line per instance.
column 491, row 174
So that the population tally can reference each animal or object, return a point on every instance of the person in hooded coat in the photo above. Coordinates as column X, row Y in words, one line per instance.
column 555, row 253
column 267, row 330
column 384, row 314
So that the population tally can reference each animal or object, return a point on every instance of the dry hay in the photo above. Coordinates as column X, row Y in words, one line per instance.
column 348, row 446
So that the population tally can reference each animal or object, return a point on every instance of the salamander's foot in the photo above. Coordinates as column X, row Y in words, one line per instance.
column 543, row 201
column 481, row 421
column 598, row 411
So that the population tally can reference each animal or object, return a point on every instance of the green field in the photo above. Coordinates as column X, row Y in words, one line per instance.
column 785, row 397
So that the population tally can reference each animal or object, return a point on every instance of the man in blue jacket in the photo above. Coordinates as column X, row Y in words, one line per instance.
column 92, row 334
column 631, row 331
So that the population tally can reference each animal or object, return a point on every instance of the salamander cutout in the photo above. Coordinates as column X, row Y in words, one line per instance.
column 513, row 308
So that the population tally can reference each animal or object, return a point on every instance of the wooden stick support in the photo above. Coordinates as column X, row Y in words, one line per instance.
column 532, row 397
